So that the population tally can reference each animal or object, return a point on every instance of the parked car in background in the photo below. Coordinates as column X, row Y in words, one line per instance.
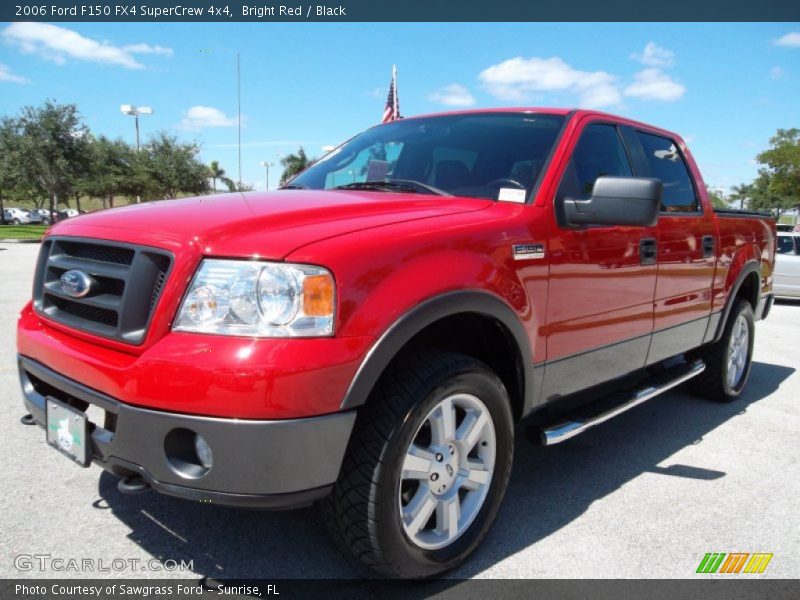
column 35, row 217
column 21, row 216
column 67, row 214
column 47, row 216
column 787, row 265
column 784, row 227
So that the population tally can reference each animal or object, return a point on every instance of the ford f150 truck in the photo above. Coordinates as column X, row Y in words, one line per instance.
column 368, row 336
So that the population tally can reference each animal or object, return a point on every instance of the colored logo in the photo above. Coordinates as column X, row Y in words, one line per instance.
column 734, row 562
column 76, row 283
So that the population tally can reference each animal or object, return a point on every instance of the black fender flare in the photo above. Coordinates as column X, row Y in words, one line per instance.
column 431, row 310
column 749, row 267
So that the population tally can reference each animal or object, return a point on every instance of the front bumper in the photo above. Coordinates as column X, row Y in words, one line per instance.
column 256, row 463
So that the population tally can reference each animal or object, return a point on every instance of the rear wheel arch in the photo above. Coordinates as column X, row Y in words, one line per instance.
column 747, row 286
column 477, row 315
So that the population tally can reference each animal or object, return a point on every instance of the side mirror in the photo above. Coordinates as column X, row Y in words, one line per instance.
column 616, row 201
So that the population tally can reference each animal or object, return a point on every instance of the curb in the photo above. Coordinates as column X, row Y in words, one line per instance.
column 39, row 241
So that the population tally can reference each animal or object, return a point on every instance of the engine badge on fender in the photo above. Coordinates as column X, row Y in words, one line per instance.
column 528, row 251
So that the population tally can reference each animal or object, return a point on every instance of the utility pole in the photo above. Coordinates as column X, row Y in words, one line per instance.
column 266, row 165
column 239, row 117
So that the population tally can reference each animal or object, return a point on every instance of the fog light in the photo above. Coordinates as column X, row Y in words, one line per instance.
column 203, row 451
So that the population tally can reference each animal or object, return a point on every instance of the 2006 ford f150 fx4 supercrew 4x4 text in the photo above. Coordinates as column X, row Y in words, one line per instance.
column 368, row 336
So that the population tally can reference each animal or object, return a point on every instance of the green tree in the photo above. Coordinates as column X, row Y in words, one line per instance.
column 294, row 163
column 173, row 167
column 777, row 186
column 111, row 170
column 742, row 194
column 235, row 187
column 215, row 171
column 10, row 175
column 716, row 197
column 764, row 197
column 51, row 148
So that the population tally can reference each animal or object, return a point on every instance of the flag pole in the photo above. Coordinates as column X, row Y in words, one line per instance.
column 396, row 104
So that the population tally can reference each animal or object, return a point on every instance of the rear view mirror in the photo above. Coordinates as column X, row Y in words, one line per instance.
column 616, row 201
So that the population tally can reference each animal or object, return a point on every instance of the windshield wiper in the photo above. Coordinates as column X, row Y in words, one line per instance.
column 396, row 185
column 294, row 186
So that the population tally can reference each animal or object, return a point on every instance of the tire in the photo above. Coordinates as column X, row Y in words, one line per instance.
column 369, row 512
column 17, row 222
column 728, row 361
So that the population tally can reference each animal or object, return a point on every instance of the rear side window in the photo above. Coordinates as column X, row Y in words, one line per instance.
column 666, row 163
column 599, row 152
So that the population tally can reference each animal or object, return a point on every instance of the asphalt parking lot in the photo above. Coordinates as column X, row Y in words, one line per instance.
column 644, row 495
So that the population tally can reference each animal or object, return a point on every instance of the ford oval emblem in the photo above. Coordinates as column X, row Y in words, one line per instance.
column 76, row 283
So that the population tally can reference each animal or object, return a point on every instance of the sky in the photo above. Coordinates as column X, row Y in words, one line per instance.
column 726, row 88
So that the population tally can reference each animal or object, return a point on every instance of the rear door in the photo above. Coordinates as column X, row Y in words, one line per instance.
column 686, row 246
column 602, row 279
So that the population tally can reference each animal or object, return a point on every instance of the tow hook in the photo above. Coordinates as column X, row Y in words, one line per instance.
column 27, row 419
column 133, row 485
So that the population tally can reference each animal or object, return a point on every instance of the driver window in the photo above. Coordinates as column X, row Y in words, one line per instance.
column 599, row 152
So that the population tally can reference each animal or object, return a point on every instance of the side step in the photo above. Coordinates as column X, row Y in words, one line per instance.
column 609, row 407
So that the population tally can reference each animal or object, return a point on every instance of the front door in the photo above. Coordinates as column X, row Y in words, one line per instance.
column 602, row 279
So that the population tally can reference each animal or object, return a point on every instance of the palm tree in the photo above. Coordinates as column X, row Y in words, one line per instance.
column 215, row 172
column 294, row 163
column 741, row 193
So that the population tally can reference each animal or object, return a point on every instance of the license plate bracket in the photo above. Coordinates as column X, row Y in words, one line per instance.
column 67, row 431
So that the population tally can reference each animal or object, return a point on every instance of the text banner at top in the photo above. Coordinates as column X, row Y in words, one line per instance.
column 406, row 10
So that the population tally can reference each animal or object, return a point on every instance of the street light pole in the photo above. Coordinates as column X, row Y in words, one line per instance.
column 137, row 132
column 135, row 111
column 266, row 165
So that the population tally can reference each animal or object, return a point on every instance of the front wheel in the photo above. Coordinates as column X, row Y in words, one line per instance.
column 427, row 466
column 728, row 360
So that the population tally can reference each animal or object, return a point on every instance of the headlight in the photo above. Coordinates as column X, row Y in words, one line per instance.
column 264, row 299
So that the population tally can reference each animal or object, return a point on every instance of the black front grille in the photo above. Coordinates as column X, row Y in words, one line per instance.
column 109, row 254
column 126, row 282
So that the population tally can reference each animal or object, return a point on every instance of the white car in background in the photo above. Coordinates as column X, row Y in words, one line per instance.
column 21, row 216
column 787, row 265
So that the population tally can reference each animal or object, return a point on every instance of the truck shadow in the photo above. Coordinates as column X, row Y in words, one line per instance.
column 550, row 487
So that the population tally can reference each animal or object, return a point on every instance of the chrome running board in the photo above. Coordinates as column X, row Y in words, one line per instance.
column 616, row 404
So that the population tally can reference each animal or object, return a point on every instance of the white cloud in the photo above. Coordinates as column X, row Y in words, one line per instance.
column 790, row 40
column 516, row 79
column 8, row 77
column 776, row 72
column 654, row 84
column 200, row 117
column 59, row 44
column 452, row 95
column 148, row 49
column 654, row 55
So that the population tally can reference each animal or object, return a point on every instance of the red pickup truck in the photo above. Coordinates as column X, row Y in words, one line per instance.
column 369, row 335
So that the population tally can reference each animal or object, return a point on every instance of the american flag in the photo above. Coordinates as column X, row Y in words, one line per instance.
column 392, row 110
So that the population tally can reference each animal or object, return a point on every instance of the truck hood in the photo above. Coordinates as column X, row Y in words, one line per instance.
column 270, row 225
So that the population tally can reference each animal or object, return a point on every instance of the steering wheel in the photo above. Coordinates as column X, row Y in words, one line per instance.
column 505, row 180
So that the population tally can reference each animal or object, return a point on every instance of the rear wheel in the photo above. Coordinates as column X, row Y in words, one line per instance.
column 427, row 466
column 728, row 360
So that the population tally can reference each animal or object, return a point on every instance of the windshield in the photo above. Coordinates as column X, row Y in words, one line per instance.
column 489, row 155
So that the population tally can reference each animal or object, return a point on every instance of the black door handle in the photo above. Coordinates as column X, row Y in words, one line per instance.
column 708, row 246
column 648, row 251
